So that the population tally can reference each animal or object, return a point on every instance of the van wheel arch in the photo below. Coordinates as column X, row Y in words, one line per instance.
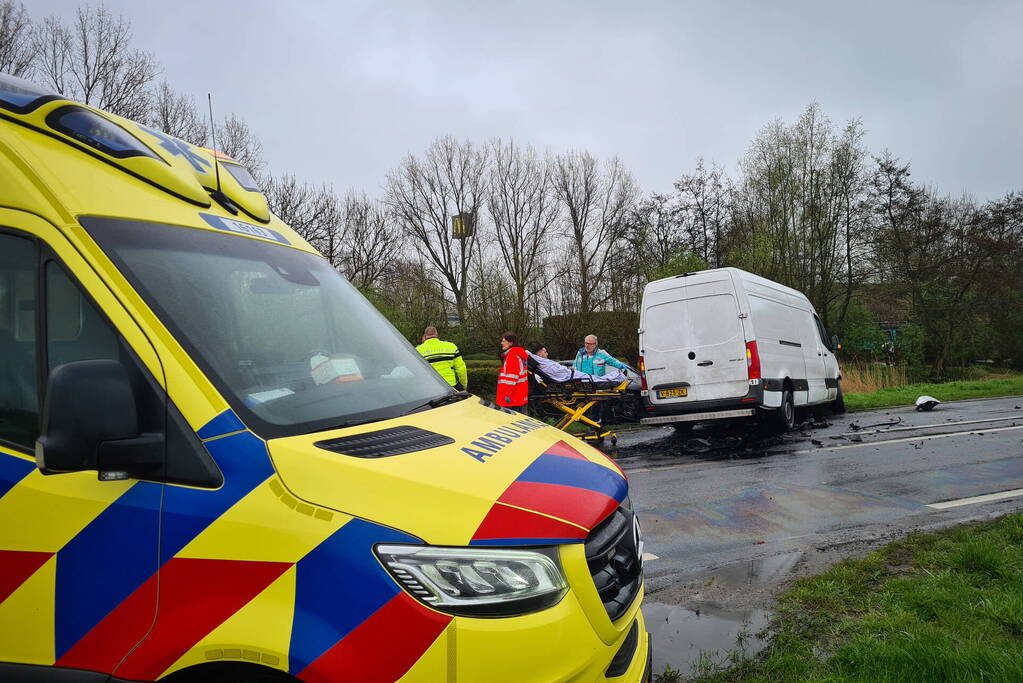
column 838, row 405
column 229, row 672
column 784, row 416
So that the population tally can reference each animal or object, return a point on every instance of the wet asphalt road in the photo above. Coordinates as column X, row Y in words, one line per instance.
column 722, row 496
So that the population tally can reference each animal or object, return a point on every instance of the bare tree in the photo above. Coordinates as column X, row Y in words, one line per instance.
column 423, row 193
column 236, row 140
column 17, row 49
column 524, row 207
column 796, row 214
column 410, row 297
column 92, row 61
column 177, row 114
column 933, row 249
column 52, row 45
column 703, row 201
column 312, row 212
column 850, row 179
column 371, row 241
column 597, row 203
column 491, row 306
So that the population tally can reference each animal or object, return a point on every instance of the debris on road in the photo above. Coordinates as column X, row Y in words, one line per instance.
column 926, row 403
column 697, row 445
column 891, row 423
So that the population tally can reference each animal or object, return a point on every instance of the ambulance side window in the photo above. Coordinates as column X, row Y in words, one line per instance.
column 19, row 396
column 74, row 328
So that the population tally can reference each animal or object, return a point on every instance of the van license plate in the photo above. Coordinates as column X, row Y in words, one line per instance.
column 672, row 393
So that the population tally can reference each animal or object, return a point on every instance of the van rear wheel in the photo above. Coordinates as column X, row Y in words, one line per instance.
column 784, row 417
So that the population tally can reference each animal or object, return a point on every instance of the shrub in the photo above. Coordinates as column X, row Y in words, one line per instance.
column 479, row 356
column 616, row 331
column 483, row 381
column 492, row 363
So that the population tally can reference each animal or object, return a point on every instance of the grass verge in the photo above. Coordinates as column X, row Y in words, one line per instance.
column 947, row 391
column 946, row 606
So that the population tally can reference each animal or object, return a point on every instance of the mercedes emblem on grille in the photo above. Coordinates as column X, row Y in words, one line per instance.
column 637, row 539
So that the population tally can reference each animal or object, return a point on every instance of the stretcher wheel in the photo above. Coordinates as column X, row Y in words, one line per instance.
column 614, row 440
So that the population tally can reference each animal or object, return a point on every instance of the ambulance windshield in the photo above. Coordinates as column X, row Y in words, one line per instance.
column 287, row 340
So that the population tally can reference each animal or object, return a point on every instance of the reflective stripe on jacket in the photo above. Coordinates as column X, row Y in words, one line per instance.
column 446, row 359
column 597, row 363
column 513, row 380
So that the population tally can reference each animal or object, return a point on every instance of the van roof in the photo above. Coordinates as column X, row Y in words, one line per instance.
column 738, row 274
column 62, row 159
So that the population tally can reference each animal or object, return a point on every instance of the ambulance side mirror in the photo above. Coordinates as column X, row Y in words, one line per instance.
column 90, row 422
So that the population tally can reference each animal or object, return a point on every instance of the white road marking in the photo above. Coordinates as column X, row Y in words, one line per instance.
column 987, row 498
column 926, row 437
column 936, row 424
column 649, row 556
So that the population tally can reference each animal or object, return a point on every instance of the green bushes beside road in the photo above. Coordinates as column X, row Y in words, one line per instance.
column 483, row 380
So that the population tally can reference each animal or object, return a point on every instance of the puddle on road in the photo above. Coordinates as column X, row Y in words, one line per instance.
column 693, row 641
column 756, row 573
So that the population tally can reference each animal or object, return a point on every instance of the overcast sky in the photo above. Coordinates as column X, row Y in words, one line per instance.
column 340, row 91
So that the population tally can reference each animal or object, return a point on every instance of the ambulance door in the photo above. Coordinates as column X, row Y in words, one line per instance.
column 78, row 556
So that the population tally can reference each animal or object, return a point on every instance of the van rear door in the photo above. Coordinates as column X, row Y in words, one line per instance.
column 695, row 340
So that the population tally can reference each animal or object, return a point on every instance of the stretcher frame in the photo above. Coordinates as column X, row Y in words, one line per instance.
column 573, row 399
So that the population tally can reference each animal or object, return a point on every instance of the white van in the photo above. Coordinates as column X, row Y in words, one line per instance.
column 725, row 343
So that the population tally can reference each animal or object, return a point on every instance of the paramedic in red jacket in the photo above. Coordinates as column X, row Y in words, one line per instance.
column 512, row 381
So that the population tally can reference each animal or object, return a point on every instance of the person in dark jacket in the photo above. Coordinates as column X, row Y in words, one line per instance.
column 512, row 380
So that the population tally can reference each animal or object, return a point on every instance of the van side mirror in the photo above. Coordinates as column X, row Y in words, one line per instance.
column 90, row 422
column 835, row 346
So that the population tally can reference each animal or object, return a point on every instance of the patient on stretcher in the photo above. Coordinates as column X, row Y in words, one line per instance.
column 553, row 371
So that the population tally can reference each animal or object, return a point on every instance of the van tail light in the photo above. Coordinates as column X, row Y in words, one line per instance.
column 752, row 360
column 642, row 373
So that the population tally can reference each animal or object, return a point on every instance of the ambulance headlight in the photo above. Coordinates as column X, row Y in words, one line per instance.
column 477, row 582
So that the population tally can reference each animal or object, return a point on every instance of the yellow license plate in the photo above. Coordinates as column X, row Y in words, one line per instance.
column 672, row 393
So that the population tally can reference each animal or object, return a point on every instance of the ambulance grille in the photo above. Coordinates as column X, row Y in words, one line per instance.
column 386, row 442
column 614, row 562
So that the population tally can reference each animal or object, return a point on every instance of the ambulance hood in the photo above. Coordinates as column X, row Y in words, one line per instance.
column 484, row 477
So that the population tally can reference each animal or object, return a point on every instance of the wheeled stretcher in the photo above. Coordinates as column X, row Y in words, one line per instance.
column 556, row 390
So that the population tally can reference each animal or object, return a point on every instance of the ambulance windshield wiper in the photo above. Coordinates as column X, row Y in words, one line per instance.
column 439, row 401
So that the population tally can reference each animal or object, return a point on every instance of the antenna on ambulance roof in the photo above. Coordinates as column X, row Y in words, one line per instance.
column 213, row 132
column 218, row 194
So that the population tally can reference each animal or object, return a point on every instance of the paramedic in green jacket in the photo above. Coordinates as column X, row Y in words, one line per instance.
column 594, row 361
column 445, row 358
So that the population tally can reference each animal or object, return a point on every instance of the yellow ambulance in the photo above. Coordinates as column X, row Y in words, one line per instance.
column 218, row 462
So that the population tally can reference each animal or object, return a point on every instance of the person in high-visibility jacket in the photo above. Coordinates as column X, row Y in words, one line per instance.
column 445, row 358
column 512, row 381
